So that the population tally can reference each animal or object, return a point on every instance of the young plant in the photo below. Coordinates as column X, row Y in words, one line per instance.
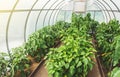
column 4, row 65
column 73, row 58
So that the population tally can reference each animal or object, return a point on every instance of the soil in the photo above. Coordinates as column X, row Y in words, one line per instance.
column 42, row 71
column 95, row 71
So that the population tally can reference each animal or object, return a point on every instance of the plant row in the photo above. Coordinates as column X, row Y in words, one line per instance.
column 69, row 49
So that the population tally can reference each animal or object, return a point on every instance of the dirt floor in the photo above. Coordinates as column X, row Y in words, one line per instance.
column 95, row 71
column 42, row 72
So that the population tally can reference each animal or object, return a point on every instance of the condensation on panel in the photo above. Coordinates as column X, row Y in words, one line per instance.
column 25, row 4
column 31, row 24
column 3, row 25
column 16, row 29
column 7, row 4
column 41, row 19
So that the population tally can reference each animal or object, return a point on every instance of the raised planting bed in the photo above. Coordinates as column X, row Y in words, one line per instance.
column 82, row 48
column 41, row 70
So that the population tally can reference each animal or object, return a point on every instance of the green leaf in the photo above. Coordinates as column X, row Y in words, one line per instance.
column 67, row 65
column 79, row 64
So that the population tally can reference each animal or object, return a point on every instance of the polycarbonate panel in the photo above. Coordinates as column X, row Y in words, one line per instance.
column 93, row 7
column 117, row 3
column 68, row 15
column 101, row 2
column 53, row 17
column 56, row 5
column 117, row 14
column 16, row 29
column 50, row 3
column 112, row 15
column 69, row 6
column 3, row 25
column 46, row 19
column 41, row 19
column 60, row 16
column 25, row 4
column 7, row 4
column 111, row 4
column 31, row 23
column 99, row 17
column 40, row 4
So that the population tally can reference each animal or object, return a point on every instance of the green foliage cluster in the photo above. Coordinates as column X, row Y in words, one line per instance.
column 107, row 42
column 37, row 46
column 115, row 72
column 39, row 42
column 68, row 47
column 4, row 65
column 72, row 58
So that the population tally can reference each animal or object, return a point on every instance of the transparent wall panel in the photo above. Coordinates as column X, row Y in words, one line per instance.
column 53, row 17
column 46, row 18
column 7, row 4
column 31, row 24
column 40, row 4
column 41, row 19
column 56, row 5
column 68, row 15
column 16, row 29
column 60, row 16
column 117, row 3
column 92, row 7
column 111, row 4
column 99, row 17
column 3, row 25
column 117, row 14
column 25, row 4
column 102, row 2
column 50, row 4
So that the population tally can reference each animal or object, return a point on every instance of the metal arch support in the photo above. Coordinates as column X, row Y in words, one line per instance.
column 105, row 8
column 110, row 8
column 115, row 6
column 104, row 11
column 39, row 14
column 101, row 10
column 59, row 12
column 8, row 25
column 56, row 14
column 53, row 11
column 47, row 12
column 27, row 20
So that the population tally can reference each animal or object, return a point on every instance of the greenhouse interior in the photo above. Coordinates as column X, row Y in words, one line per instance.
column 59, row 38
